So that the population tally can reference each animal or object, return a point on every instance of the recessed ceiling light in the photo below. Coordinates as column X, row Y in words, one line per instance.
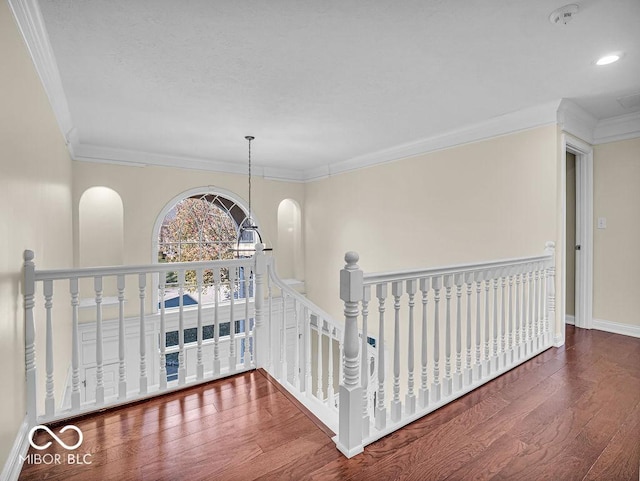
column 607, row 59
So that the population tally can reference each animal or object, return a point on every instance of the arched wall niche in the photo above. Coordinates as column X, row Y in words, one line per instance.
column 290, row 256
column 100, row 227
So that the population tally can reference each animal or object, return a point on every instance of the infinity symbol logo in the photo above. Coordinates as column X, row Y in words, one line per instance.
column 58, row 440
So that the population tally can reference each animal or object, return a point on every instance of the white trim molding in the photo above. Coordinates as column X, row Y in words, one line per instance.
column 576, row 121
column 525, row 119
column 616, row 328
column 31, row 24
column 623, row 127
column 569, row 319
column 584, row 228
column 15, row 460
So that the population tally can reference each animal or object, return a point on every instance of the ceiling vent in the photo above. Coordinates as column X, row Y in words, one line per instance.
column 563, row 15
column 630, row 101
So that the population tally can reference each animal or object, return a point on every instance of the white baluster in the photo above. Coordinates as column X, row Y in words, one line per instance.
column 331, row 393
column 530, row 306
column 381, row 410
column 271, row 354
column 247, row 325
column 396, row 404
column 29, row 290
column 511, row 332
column 551, row 293
column 142, row 284
column 199, row 364
column 410, row 398
column 216, row 321
column 182, row 369
column 540, row 306
column 457, row 375
column 543, row 295
column 97, row 284
column 350, row 415
column 468, row 371
column 284, row 372
column 502, row 358
column 307, row 363
column 364, row 375
column 486, row 363
column 436, row 283
column 296, row 356
column 261, row 336
column 423, row 391
column 233, row 360
column 162, row 280
column 50, row 402
column 75, row 345
column 495, row 364
column 477, row 368
column 340, row 354
column 447, row 382
column 523, row 324
column 319, row 382
column 536, row 303
column 518, row 353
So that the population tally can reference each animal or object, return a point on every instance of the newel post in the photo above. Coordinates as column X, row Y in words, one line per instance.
column 550, row 249
column 28, row 292
column 350, row 417
column 262, row 336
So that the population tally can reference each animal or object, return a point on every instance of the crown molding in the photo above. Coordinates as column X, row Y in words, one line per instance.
column 512, row 122
column 31, row 25
column 623, row 127
column 576, row 121
column 133, row 158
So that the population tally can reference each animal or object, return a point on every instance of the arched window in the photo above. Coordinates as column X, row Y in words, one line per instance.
column 204, row 227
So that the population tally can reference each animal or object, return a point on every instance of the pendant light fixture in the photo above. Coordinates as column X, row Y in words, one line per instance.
column 248, row 225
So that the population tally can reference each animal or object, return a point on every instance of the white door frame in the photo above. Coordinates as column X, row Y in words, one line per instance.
column 584, row 229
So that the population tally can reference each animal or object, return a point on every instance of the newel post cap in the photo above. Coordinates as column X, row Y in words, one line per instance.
column 550, row 246
column 351, row 279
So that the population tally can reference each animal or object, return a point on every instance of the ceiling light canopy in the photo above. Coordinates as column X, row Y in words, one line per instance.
column 607, row 59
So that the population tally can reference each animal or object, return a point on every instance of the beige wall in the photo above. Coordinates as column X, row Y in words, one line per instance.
column 487, row 200
column 616, row 256
column 35, row 212
column 145, row 191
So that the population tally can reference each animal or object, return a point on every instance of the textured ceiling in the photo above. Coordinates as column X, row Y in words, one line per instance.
column 320, row 82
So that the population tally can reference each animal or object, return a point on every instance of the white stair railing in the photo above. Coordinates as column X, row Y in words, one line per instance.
column 124, row 357
column 463, row 342
column 452, row 330
column 304, row 348
column 119, row 345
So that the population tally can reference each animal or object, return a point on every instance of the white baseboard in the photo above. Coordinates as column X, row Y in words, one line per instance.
column 13, row 465
column 616, row 328
column 569, row 319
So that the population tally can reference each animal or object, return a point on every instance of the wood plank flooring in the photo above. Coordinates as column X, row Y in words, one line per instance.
column 571, row 413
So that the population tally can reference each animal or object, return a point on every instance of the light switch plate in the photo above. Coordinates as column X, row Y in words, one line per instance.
column 602, row 222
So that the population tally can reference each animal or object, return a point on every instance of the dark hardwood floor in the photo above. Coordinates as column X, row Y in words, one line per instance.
column 569, row 414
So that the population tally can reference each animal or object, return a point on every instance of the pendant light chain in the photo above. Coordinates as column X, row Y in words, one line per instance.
column 250, row 138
